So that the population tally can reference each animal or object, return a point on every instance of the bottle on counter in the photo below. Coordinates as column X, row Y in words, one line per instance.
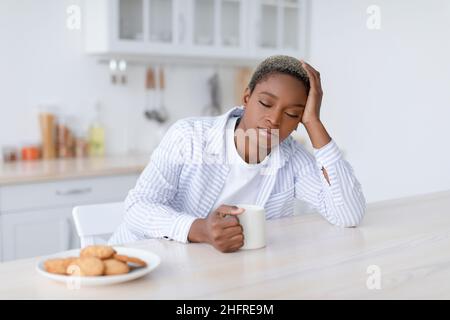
column 65, row 138
column 96, row 135
column 48, row 134
column 81, row 142
column 81, row 147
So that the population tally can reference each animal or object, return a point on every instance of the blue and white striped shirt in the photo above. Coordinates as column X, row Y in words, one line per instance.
column 188, row 169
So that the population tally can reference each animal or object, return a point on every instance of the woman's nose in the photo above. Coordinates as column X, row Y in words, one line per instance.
column 274, row 119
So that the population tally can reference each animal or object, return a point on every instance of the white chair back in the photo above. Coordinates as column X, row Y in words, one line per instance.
column 96, row 222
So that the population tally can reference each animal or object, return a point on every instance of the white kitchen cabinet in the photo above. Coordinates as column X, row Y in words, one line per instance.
column 36, row 218
column 233, row 30
column 37, row 232
column 63, row 193
column 123, row 27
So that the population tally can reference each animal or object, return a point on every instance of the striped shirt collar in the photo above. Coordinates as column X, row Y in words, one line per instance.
column 216, row 139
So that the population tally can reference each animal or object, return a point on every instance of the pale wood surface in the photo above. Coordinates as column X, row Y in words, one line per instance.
column 306, row 258
column 60, row 169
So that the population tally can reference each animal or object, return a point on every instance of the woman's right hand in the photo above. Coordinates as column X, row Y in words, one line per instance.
column 220, row 228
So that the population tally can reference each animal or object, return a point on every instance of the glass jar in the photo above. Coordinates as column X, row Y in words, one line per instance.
column 31, row 152
column 10, row 154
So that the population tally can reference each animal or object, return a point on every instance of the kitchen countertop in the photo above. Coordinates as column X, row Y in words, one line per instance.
column 406, row 240
column 60, row 169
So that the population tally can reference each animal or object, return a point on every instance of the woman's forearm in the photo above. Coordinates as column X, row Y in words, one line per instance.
column 317, row 133
column 319, row 137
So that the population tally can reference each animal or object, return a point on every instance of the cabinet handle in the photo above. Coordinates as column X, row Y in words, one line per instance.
column 72, row 192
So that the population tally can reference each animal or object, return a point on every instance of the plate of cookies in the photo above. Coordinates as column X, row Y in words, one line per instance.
column 98, row 265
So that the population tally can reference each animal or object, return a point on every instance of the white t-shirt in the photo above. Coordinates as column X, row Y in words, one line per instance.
column 244, row 179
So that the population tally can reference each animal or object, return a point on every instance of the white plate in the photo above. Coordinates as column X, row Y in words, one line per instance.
column 150, row 258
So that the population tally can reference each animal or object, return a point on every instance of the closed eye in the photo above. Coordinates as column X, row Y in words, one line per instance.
column 265, row 105
column 292, row 115
column 288, row 114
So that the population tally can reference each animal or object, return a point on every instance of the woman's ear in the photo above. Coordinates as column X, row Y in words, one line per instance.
column 246, row 97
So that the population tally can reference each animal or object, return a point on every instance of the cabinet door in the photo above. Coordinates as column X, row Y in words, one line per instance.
column 279, row 26
column 147, row 21
column 160, row 22
column 268, row 25
column 34, row 233
column 232, row 24
column 130, row 14
column 291, row 19
column 218, row 23
column 204, row 21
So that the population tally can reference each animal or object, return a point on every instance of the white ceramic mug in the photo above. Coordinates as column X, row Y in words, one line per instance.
column 253, row 221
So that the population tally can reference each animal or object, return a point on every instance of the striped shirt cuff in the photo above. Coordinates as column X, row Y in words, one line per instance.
column 180, row 228
column 328, row 154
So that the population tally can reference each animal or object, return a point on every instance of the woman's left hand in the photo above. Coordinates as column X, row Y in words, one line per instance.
column 314, row 101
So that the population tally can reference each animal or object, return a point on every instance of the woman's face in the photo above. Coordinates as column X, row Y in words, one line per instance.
column 275, row 106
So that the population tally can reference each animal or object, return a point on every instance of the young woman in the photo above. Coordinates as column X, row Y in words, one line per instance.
column 204, row 166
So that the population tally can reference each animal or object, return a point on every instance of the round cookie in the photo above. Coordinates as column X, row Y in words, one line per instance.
column 101, row 252
column 126, row 259
column 86, row 266
column 113, row 266
column 58, row 266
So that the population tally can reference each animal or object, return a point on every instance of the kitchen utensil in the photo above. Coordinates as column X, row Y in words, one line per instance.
column 213, row 109
column 242, row 77
column 160, row 87
column 155, row 109
column 149, row 93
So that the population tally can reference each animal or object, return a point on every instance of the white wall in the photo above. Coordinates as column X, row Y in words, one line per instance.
column 387, row 91
column 386, row 97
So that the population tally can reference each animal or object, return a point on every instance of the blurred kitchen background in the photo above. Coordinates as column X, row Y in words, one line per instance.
column 88, row 88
